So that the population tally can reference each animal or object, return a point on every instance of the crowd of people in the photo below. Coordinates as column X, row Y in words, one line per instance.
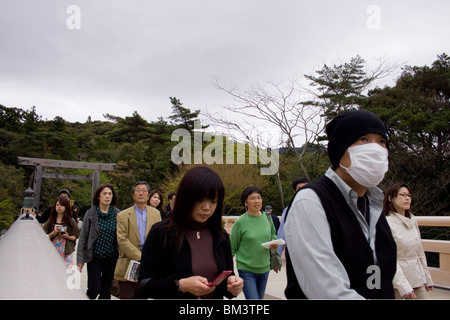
column 344, row 237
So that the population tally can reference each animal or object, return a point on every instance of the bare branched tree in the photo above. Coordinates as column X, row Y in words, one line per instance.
column 285, row 113
column 271, row 115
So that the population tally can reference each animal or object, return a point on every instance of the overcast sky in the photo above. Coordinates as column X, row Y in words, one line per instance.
column 77, row 58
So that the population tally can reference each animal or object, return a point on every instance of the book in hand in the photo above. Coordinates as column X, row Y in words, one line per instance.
column 277, row 241
column 132, row 273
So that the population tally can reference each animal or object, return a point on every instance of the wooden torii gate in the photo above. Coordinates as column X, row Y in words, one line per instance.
column 39, row 174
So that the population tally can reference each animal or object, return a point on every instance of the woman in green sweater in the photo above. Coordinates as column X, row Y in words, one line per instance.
column 249, row 231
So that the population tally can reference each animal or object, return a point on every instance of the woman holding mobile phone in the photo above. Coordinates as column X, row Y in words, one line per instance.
column 184, row 253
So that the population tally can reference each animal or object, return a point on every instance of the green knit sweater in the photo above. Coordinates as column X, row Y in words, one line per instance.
column 247, row 235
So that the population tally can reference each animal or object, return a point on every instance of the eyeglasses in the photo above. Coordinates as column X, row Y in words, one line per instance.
column 404, row 195
column 141, row 190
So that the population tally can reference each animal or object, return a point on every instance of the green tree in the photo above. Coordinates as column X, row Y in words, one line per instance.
column 129, row 129
column 342, row 87
column 182, row 116
column 161, row 145
column 416, row 112
column 11, row 194
column 11, row 118
column 31, row 120
column 19, row 120
column 235, row 178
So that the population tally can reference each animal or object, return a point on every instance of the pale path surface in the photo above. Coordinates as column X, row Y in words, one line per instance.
column 277, row 284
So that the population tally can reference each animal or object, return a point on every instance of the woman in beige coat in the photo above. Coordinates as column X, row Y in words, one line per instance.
column 412, row 278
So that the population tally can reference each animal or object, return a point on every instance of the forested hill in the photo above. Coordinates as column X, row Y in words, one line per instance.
column 416, row 112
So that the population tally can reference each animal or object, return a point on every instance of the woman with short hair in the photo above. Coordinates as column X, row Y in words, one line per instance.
column 249, row 231
column 97, row 245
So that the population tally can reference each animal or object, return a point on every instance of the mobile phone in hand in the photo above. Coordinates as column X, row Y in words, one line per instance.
column 222, row 276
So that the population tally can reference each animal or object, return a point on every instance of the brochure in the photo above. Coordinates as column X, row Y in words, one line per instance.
column 268, row 244
column 132, row 273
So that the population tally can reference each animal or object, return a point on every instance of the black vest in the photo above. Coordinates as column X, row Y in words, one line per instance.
column 352, row 248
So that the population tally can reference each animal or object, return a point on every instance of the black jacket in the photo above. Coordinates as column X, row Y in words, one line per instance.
column 162, row 264
column 351, row 246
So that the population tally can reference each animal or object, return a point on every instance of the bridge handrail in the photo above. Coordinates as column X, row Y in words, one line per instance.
column 30, row 267
column 441, row 275
column 434, row 221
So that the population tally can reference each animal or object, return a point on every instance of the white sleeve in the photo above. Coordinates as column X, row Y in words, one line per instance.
column 319, row 272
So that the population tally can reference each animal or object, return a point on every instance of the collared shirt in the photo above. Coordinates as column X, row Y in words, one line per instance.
column 319, row 271
column 141, row 219
column 280, row 233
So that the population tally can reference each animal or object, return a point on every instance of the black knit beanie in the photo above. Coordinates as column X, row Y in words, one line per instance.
column 347, row 127
column 64, row 191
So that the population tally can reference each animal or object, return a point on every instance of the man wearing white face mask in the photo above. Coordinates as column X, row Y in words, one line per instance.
column 340, row 245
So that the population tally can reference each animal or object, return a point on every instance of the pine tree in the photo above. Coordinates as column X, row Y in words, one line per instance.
column 340, row 87
column 182, row 116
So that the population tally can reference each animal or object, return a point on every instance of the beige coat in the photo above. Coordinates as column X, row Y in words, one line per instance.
column 412, row 271
column 128, row 238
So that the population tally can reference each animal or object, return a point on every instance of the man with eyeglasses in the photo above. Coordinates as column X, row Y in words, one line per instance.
column 133, row 225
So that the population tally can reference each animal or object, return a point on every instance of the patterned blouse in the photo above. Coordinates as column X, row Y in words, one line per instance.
column 105, row 247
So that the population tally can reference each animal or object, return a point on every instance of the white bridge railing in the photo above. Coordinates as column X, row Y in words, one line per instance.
column 441, row 275
column 30, row 267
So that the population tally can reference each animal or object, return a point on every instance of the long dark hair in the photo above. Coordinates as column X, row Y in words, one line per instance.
column 67, row 218
column 390, row 194
column 198, row 183
column 160, row 206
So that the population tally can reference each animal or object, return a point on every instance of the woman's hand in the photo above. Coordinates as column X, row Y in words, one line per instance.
column 277, row 270
column 195, row 285
column 410, row 295
column 235, row 285
column 67, row 237
column 55, row 232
